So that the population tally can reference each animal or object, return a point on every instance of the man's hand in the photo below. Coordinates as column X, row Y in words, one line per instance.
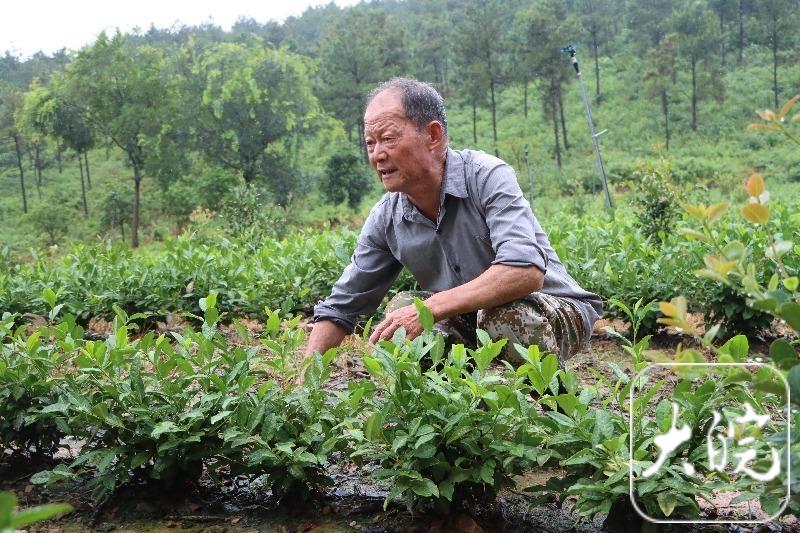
column 405, row 317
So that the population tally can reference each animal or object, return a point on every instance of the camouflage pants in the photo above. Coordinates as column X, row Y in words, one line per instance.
column 552, row 323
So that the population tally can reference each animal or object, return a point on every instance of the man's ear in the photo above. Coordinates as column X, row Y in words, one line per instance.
column 436, row 137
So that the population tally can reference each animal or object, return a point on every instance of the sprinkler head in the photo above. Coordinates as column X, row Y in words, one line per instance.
column 569, row 49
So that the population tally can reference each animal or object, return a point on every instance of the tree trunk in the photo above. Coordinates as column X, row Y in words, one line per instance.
column 21, row 175
column 525, row 99
column 474, row 123
column 693, row 61
column 561, row 112
column 445, row 88
column 37, row 161
column 86, row 164
column 137, row 180
column 494, row 117
column 775, row 62
column 722, row 40
column 248, row 172
column 83, row 187
column 596, row 65
column 740, row 15
column 58, row 156
column 556, row 144
column 665, row 110
column 362, row 142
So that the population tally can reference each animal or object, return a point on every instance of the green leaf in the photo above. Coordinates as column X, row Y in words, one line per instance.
column 373, row 427
column 771, row 504
column 549, row 367
column 791, row 283
column 734, row 251
column 37, row 514
column 7, row 503
column 164, row 427
column 399, row 442
column 426, row 489
column 423, row 439
column 49, row 296
column 737, row 347
column 604, row 424
column 372, row 365
column 446, row 488
column 794, row 383
column 783, row 354
column 273, row 322
column 219, row 416
column 139, row 459
column 425, row 315
column 666, row 501
column 561, row 419
column 790, row 312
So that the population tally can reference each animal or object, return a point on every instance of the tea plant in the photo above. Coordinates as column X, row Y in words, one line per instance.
column 29, row 369
column 656, row 203
column 153, row 410
column 286, row 435
column 732, row 263
column 450, row 433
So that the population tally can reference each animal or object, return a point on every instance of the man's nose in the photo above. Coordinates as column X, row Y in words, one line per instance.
column 378, row 152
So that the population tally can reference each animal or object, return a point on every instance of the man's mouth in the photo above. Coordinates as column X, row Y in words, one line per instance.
column 385, row 172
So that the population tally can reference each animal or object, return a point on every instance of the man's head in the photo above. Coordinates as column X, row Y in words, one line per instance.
column 405, row 128
column 422, row 103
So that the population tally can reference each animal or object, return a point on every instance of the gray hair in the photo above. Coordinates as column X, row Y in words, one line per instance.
column 421, row 102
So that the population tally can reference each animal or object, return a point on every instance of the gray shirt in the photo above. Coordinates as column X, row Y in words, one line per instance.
column 483, row 220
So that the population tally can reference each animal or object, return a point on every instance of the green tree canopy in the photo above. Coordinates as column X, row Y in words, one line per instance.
column 121, row 90
column 255, row 102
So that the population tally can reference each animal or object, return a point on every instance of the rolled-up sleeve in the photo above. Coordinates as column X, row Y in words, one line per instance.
column 512, row 225
column 365, row 281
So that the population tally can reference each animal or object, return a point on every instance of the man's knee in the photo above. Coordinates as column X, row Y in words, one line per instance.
column 405, row 298
column 551, row 323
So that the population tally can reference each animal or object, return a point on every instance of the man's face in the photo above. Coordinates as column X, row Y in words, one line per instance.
column 396, row 149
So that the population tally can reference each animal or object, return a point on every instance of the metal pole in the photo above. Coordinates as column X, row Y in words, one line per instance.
column 528, row 172
column 598, row 160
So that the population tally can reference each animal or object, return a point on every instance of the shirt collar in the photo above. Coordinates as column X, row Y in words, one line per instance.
column 452, row 184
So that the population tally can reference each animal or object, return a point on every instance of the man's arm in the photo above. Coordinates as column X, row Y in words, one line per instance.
column 325, row 335
column 498, row 285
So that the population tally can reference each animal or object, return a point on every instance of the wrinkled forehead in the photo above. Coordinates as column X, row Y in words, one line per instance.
column 386, row 108
column 384, row 121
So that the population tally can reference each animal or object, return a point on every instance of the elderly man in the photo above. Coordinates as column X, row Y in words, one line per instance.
column 458, row 221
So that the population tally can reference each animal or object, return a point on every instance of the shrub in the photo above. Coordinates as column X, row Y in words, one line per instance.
column 346, row 178
column 656, row 204
column 452, row 432
column 246, row 216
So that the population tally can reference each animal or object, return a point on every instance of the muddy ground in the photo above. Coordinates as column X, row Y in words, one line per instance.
column 354, row 501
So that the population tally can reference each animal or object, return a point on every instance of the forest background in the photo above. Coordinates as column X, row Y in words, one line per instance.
column 142, row 135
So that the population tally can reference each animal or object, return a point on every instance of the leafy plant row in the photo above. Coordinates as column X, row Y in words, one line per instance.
column 91, row 280
column 611, row 256
column 168, row 409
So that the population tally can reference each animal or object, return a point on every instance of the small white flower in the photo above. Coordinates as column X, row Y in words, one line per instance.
column 763, row 197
